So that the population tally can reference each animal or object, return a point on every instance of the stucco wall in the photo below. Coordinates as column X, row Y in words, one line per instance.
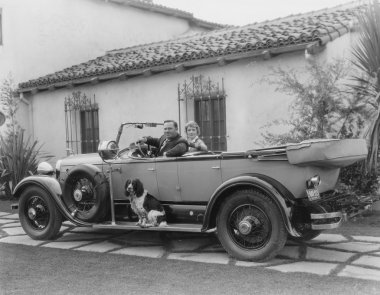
column 43, row 36
column 250, row 102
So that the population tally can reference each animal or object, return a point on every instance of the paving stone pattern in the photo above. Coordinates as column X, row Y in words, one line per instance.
column 328, row 254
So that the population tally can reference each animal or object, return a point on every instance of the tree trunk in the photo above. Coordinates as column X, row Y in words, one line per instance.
column 373, row 148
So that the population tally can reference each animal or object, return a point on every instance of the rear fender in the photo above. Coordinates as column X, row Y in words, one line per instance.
column 283, row 201
column 53, row 188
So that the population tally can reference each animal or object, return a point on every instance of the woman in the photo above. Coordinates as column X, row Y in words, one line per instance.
column 192, row 132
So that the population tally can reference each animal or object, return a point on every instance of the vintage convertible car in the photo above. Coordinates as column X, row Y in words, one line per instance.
column 254, row 199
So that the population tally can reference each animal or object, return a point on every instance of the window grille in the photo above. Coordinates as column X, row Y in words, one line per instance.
column 82, row 123
column 205, row 102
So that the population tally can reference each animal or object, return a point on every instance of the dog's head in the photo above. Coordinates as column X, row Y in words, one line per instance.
column 133, row 187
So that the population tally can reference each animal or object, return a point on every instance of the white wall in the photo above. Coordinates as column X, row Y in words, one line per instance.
column 44, row 36
column 41, row 37
column 250, row 102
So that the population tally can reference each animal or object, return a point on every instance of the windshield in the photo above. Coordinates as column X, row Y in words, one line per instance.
column 130, row 132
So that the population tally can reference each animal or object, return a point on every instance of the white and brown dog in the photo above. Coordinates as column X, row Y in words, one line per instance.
column 148, row 209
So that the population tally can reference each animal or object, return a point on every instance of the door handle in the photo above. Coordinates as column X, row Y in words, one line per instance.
column 215, row 167
column 151, row 169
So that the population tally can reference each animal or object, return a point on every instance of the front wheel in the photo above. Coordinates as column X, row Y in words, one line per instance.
column 39, row 216
column 250, row 226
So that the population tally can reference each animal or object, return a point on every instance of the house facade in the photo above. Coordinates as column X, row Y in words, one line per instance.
column 215, row 78
column 44, row 36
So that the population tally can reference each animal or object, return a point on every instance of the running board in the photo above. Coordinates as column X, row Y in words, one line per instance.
column 179, row 227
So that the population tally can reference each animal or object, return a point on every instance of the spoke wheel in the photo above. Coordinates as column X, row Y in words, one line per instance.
column 85, row 194
column 38, row 214
column 250, row 226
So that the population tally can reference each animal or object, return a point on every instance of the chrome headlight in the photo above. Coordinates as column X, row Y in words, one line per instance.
column 44, row 168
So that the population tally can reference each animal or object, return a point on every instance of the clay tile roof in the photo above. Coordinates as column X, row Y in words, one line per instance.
column 290, row 33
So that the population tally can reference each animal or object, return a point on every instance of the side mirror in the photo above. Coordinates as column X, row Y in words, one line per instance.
column 108, row 150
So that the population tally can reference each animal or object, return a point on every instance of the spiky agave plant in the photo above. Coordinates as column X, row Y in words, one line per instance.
column 19, row 158
column 366, row 58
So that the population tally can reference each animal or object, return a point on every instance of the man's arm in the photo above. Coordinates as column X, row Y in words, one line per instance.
column 177, row 151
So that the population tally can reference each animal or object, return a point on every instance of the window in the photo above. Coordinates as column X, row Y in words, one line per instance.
column 205, row 101
column 1, row 26
column 82, row 124
column 210, row 114
column 89, row 130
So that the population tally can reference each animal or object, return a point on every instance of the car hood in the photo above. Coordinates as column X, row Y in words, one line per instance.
column 82, row 159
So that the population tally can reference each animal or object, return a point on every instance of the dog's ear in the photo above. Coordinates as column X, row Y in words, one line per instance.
column 127, row 183
column 138, row 187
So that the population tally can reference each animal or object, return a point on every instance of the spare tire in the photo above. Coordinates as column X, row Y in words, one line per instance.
column 86, row 193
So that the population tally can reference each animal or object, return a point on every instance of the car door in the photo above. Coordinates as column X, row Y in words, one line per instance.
column 167, row 179
column 143, row 169
column 199, row 177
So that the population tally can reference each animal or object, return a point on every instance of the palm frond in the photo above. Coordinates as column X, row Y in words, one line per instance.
column 366, row 58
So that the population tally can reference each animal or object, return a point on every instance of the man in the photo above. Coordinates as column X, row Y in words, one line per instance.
column 171, row 144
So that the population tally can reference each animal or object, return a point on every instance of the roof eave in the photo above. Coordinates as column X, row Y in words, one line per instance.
column 185, row 65
column 171, row 12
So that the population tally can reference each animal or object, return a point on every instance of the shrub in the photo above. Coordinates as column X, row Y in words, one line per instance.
column 19, row 158
column 358, row 180
column 9, row 103
column 323, row 107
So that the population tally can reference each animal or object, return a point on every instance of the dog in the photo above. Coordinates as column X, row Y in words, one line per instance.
column 148, row 209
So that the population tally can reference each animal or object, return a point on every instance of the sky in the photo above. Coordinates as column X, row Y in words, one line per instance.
column 242, row 12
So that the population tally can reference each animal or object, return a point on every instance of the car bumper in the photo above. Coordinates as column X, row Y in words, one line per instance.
column 321, row 221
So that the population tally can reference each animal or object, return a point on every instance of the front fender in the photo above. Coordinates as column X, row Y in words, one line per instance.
column 245, row 181
column 53, row 188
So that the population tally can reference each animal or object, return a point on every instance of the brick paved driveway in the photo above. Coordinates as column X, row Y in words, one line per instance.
column 328, row 254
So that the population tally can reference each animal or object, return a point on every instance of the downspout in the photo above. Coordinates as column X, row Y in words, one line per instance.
column 179, row 108
column 30, row 107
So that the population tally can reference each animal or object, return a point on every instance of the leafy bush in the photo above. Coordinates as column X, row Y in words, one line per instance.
column 357, row 179
column 9, row 103
column 19, row 158
column 323, row 107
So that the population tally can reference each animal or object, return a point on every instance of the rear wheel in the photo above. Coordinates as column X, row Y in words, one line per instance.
column 39, row 216
column 250, row 226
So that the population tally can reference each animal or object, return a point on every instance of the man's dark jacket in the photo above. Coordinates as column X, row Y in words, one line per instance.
column 174, row 147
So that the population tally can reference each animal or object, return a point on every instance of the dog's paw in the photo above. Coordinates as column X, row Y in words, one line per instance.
column 163, row 224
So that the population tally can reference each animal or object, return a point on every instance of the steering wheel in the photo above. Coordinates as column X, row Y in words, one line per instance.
column 145, row 155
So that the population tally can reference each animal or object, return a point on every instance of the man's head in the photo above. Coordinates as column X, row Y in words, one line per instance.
column 170, row 129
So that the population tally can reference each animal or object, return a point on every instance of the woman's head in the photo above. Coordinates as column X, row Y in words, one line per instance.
column 192, row 129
